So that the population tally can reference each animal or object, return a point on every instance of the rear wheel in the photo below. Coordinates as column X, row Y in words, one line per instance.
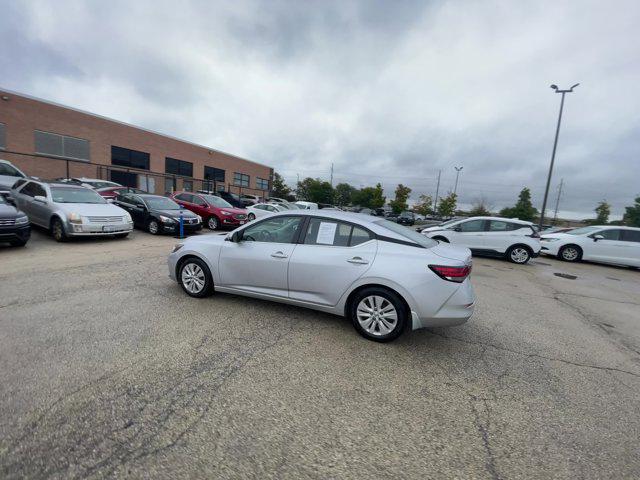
column 212, row 223
column 378, row 314
column 57, row 230
column 195, row 278
column 251, row 217
column 570, row 253
column 518, row 254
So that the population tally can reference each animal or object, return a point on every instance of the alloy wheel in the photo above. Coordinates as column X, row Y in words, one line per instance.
column 153, row 227
column 377, row 315
column 193, row 278
column 212, row 223
column 251, row 217
column 519, row 255
column 570, row 253
column 58, row 233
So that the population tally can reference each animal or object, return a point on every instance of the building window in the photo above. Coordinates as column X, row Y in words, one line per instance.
column 125, row 157
column 61, row 145
column 3, row 136
column 187, row 186
column 178, row 167
column 215, row 174
column 240, row 179
column 262, row 183
column 169, row 185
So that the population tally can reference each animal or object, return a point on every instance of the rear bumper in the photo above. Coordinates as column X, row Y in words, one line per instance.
column 455, row 311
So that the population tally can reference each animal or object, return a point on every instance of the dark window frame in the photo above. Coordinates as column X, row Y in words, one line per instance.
column 182, row 167
column 130, row 162
column 242, row 178
column 216, row 171
column 262, row 181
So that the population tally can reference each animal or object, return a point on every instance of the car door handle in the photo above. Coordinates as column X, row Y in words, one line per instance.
column 358, row 261
column 278, row 255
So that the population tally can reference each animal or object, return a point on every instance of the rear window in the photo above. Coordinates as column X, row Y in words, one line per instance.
column 407, row 233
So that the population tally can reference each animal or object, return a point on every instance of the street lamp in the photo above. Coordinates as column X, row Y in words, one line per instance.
column 458, row 169
column 555, row 145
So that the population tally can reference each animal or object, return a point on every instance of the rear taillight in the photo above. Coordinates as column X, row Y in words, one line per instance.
column 452, row 274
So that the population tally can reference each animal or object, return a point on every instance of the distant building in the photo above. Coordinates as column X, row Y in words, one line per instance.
column 52, row 141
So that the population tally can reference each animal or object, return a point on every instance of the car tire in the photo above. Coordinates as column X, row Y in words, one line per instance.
column 518, row 254
column 153, row 227
column 570, row 253
column 378, row 314
column 18, row 243
column 441, row 239
column 195, row 278
column 57, row 230
column 213, row 223
column 251, row 217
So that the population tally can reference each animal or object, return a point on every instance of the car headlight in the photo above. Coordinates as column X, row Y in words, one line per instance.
column 199, row 218
column 166, row 219
column 75, row 218
column 177, row 247
column 549, row 239
column 22, row 220
column 226, row 213
column 127, row 218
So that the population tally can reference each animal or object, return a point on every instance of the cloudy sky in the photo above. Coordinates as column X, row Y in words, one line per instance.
column 388, row 91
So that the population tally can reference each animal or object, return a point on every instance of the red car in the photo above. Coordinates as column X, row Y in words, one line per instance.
column 112, row 192
column 215, row 211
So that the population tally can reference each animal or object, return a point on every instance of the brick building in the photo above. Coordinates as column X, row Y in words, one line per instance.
column 48, row 140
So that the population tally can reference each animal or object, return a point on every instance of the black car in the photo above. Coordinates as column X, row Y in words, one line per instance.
column 14, row 224
column 158, row 214
column 406, row 218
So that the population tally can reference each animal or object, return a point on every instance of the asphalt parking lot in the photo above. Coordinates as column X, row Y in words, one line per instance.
column 108, row 369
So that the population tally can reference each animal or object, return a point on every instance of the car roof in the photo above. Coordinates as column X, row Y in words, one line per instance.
column 609, row 227
column 502, row 219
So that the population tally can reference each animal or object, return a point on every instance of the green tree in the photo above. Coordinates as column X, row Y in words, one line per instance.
column 603, row 210
column 523, row 209
column 399, row 204
column 369, row 197
column 424, row 206
column 632, row 214
column 280, row 189
column 447, row 205
column 315, row 190
column 344, row 194
column 481, row 208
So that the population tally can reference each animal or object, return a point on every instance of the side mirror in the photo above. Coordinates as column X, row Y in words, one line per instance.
column 233, row 237
column 457, row 229
column 598, row 237
column 40, row 199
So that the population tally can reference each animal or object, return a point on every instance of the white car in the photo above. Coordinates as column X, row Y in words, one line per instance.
column 605, row 244
column 260, row 210
column 380, row 275
column 513, row 239
column 307, row 205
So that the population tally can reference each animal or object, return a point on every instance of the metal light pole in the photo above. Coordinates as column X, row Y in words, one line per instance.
column 458, row 169
column 555, row 145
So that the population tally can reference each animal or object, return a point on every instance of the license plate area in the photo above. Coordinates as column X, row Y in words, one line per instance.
column 109, row 228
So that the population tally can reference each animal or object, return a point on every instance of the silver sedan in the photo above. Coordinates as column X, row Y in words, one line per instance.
column 384, row 277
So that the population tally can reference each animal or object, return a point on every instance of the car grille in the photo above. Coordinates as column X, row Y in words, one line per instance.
column 105, row 219
column 7, row 221
column 240, row 216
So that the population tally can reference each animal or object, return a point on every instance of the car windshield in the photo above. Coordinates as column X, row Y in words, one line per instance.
column 415, row 237
column 75, row 195
column 217, row 201
column 161, row 203
column 583, row 231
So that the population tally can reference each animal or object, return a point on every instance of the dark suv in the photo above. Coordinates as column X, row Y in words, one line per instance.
column 14, row 225
column 406, row 218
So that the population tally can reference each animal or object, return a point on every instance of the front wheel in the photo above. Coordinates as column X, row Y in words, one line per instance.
column 195, row 278
column 212, row 223
column 378, row 314
column 153, row 227
column 57, row 230
column 518, row 254
column 251, row 217
column 570, row 253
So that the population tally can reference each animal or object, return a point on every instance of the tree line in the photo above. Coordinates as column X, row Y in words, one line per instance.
column 343, row 195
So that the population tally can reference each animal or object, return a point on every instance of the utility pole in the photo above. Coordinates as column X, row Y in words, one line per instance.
column 555, row 215
column 458, row 170
column 332, row 174
column 555, row 145
column 435, row 200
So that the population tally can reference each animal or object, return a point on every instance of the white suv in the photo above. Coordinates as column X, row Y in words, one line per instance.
column 606, row 244
column 513, row 239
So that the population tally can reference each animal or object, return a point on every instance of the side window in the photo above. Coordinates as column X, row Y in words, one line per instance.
column 29, row 189
column 137, row 201
column 327, row 232
column 472, row 226
column 198, row 201
column 273, row 230
column 612, row 234
column 19, row 183
column 9, row 170
column 499, row 226
column 185, row 197
column 358, row 236
column 39, row 190
column 123, row 197
column 631, row 235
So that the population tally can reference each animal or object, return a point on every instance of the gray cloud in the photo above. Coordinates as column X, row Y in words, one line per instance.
column 389, row 91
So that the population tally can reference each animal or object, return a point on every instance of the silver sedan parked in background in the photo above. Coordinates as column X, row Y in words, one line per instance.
column 68, row 210
column 382, row 276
